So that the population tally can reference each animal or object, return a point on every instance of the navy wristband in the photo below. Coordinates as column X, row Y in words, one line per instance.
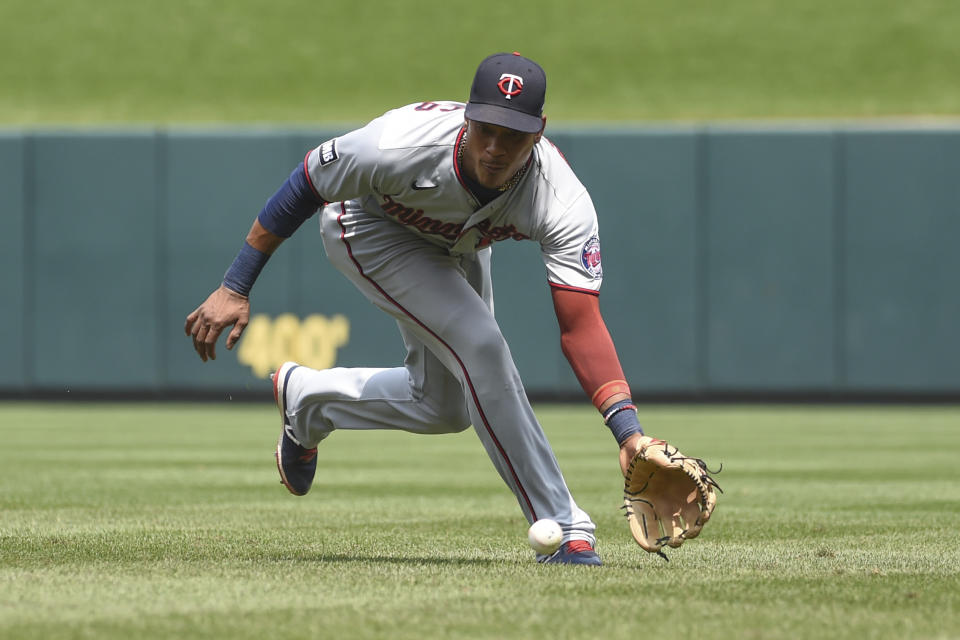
column 621, row 419
column 245, row 268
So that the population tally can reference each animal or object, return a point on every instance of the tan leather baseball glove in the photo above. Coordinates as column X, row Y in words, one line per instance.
column 668, row 497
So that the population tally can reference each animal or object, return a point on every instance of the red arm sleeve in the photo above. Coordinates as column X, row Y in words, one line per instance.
column 587, row 345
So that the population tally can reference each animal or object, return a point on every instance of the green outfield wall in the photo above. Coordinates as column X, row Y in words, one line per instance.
column 736, row 260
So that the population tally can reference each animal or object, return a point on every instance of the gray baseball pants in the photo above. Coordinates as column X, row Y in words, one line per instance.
column 458, row 369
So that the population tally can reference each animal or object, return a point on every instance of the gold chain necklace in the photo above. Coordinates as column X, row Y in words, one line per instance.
column 509, row 184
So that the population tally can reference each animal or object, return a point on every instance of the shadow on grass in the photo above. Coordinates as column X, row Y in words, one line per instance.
column 412, row 560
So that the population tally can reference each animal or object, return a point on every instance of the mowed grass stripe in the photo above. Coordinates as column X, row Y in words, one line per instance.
column 295, row 61
column 168, row 520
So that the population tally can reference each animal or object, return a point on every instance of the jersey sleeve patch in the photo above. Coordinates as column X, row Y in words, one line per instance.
column 328, row 152
column 590, row 258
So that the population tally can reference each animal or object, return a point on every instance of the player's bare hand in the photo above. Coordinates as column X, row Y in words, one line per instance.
column 628, row 450
column 223, row 308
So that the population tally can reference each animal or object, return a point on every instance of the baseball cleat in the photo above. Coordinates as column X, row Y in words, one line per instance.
column 574, row 552
column 296, row 464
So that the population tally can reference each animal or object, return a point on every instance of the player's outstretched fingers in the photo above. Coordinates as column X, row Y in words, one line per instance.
column 210, row 341
column 191, row 319
column 236, row 333
column 205, row 339
column 197, row 328
column 199, row 333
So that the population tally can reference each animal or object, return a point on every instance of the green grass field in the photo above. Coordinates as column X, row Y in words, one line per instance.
column 168, row 521
column 162, row 521
column 293, row 61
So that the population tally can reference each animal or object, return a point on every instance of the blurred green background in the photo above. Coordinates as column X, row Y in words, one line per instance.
column 292, row 61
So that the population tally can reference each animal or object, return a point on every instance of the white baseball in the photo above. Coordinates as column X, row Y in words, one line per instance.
column 545, row 536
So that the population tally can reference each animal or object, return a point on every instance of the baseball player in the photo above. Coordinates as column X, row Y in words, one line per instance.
column 411, row 205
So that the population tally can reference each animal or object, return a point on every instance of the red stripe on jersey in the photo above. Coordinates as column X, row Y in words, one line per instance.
column 565, row 287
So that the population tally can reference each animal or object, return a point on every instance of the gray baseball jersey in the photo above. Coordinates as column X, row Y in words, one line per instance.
column 403, row 166
column 403, row 227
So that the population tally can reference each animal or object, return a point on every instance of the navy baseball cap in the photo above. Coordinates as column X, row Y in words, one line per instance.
column 508, row 90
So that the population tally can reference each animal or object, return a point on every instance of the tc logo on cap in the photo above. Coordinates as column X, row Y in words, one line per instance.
column 510, row 85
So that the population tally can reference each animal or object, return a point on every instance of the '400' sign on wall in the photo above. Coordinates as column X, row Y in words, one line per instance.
column 313, row 341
